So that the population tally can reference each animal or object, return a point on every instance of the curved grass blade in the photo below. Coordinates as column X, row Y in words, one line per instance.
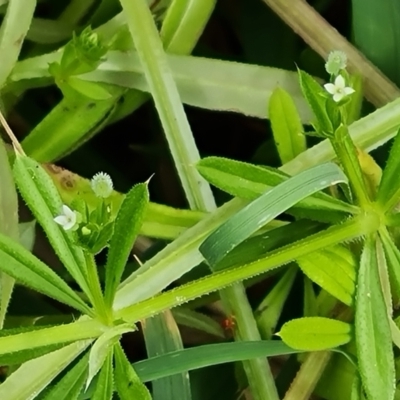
column 268, row 206
column 249, row 181
column 126, row 228
column 204, row 356
column 372, row 329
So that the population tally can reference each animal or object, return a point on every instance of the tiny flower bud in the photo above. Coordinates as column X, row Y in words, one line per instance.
column 102, row 185
column 337, row 60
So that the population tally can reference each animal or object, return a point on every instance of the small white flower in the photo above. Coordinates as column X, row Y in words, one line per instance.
column 67, row 218
column 338, row 89
column 102, row 185
column 337, row 60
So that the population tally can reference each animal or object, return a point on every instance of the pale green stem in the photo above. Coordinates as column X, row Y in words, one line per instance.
column 185, row 154
column 305, row 381
column 323, row 38
column 94, row 285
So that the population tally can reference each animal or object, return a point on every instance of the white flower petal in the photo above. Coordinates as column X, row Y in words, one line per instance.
column 338, row 96
column 340, row 83
column 61, row 220
column 348, row 90
column 330, row 88
column 67, row 218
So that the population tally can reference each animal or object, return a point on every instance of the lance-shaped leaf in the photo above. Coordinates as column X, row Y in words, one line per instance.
column 127, row 226
column 334, row 269
column 314, row 95
column 23, row 266
column 8, row 224
column 388, row 193
column 102, row 348
column 372, row 329
column 315, row 333
column 268, row 206
column 104, row 385
column 128, row 384
column 42, row 197
column 71, row 384
column 286, row 125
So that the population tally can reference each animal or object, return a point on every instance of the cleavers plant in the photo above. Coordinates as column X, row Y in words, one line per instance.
column 340, row 229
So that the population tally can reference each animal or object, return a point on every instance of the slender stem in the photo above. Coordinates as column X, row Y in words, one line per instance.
column 354, row 228
column 309, row 375
column 186, row 155
column 323, row 38
column 168, row 103
column 94, row 285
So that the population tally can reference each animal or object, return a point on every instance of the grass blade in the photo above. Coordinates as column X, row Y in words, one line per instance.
column 266, row 208
column 162, row 336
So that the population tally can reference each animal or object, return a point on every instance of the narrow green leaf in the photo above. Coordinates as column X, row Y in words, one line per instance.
column 42, row 197
column 334, row 269
column 8, row 224
column 310, row 305
column 197, row 320
column 266, row 208
column 102, row 348
column 392, row 254
column 388, row 192
column 71, row 384
column 372, row 329
column 104, row 385
column 347, row 154
column 29, row 270
column 126, row 228
column 316, row 98
column 286, row 126
column 207, row 83
column 162, row 335
column 32, row 377
column 315, row 333
column 128, row 384
column 206, row 355
column 249, row 181
column 82, row 118
column 270, row 309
